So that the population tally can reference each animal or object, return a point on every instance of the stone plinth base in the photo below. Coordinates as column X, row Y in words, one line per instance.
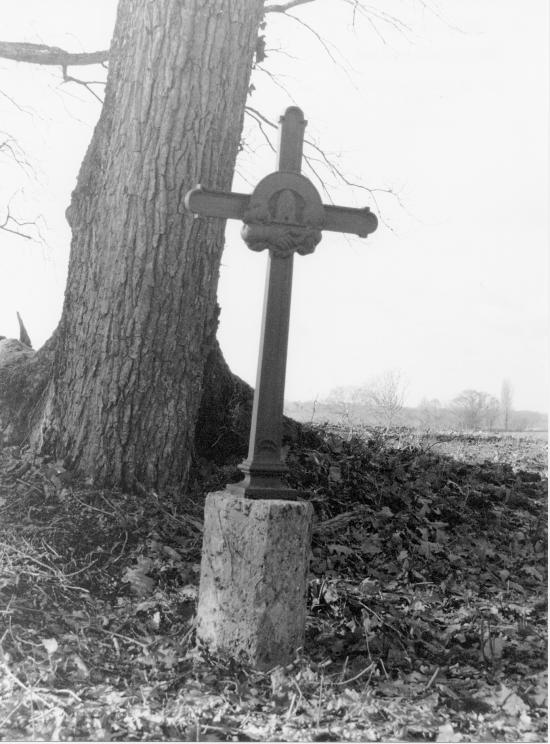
column 252, row 595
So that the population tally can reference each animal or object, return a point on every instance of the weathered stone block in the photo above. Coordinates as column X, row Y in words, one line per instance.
column 252, row 595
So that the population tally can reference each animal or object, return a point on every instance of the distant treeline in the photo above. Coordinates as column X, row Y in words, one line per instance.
column 426, row 416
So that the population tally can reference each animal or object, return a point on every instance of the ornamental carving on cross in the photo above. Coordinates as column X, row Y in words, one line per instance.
column 285, row 215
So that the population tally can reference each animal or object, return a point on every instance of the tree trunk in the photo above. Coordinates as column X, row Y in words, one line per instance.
column 139, row 317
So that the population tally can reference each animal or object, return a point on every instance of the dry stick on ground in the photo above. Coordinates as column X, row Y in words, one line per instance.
column 352, row 679
column 94, row 508
column 124, row 637
column 10, row 714
column 24, row 687
column 320, row 700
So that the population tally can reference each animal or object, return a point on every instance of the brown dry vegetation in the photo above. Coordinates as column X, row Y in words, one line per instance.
column 427, row 602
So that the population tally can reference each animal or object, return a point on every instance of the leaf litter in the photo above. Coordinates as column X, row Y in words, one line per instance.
column 427, row 610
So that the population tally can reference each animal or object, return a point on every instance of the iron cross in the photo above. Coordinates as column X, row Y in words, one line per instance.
column 285, row 215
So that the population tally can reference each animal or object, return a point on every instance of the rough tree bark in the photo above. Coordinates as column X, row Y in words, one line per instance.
column 139, row 317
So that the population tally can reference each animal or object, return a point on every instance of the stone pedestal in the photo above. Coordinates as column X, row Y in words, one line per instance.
column 252, row 595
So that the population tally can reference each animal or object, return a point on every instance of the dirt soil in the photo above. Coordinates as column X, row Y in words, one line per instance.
column 427, row 601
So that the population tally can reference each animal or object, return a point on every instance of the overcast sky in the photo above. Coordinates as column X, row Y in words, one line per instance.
column 451, row 115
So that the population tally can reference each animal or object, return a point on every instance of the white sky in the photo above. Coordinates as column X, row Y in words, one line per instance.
column 453, row 115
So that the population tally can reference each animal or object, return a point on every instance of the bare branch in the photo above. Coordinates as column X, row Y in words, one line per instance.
column 259, row 118
column 336, row 171
column 325, row 160
column 69, row 79
column 274, row 79
column 14, row 103
column 283, row 7
column 270, row 51
column 372, row 14
column 41, row 54
column 15, row 232
column 245, row 179
column 8, row 220
column 256, row 113
column 11, row 146
column 318, row 177
column 12, row 225
column 317, row 36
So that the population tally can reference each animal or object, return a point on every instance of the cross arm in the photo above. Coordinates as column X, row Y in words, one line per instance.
column 359, row 222
column 209, row 203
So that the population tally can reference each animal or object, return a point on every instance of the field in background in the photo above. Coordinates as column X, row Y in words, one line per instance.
column 521, row 450
column 439, row 419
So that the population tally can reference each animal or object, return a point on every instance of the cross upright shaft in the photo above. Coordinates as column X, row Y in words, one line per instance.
column 285, row 215
column 264, row 466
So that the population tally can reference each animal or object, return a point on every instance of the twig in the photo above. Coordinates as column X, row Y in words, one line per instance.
column 352, row 679
column 343, row 672
column 260, row 116
column 297, row 686
column 14, row 232
column 60, row 690
column 260, row 127
column 318, row 718
column 55, row 571
column 80, row 570
column 291, row 706
column 17, row 106
column 124, row 638
column 318, row 177
column 69, row 79
column 317, row 36
column 432, row 679
column 49, row 547
column 110, row 503
column 95, row 508
column 10, row 714
column 275, row 79
column 12, row 146
column 119, row 556
column 217, row 729
column 30, row 691
column 10, row 217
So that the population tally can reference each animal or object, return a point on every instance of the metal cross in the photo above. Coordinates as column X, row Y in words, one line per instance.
column 284, row 214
